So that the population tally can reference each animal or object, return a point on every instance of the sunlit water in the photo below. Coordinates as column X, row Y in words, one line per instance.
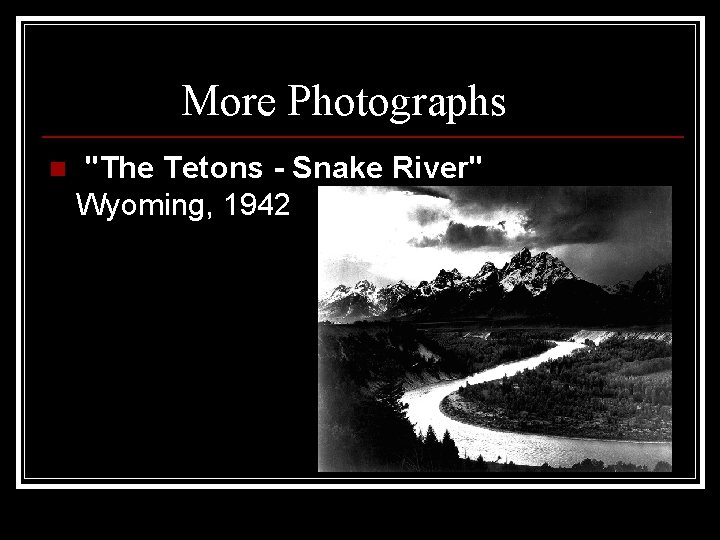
column 424, row 410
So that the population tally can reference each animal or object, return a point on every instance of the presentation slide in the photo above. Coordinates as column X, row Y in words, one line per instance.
column 469, row 222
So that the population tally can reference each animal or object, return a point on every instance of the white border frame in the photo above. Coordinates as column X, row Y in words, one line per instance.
column 420, row 20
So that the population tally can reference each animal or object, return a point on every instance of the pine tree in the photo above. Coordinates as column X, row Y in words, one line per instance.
column 450, row 452
column 430, row 437
column 390, row 394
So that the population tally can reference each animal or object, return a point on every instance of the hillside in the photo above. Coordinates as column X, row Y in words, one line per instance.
column 620, row 389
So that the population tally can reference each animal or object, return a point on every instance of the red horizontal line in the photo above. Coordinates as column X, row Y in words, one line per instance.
column 438, row 137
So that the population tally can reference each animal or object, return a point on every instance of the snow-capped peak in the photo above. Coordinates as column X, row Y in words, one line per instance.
column 364, row 287
column 447, row 278
column 486, row 271
column 361, row 301
column 391, row 294
column 522, row 255
column 339, row 292
column 400, row 285
column 534, row 273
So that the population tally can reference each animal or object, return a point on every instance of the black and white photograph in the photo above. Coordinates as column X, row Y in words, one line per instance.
column 495, row 329
column 496, row 209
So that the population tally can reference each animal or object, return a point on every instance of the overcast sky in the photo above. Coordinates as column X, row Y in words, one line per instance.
column 604, row 234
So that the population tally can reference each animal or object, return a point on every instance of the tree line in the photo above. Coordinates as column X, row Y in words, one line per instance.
column 621, row 386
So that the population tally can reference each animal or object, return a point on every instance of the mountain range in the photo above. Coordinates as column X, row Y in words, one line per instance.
column 540, row 288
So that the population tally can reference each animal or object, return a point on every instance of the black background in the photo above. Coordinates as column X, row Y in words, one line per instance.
column 160, row 347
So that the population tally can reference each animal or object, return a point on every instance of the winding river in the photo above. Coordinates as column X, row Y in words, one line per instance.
column 527, row 449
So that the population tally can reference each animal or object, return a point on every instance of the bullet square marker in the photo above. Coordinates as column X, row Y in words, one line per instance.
column 57, row 168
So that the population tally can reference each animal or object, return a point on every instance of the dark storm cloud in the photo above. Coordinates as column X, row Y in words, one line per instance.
column 461, row 237
column 422, row 190
column 606, row 233
column 426, row 241
column 559, row 215
column 426, row 215
column 484, row 196
column 590, row 215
